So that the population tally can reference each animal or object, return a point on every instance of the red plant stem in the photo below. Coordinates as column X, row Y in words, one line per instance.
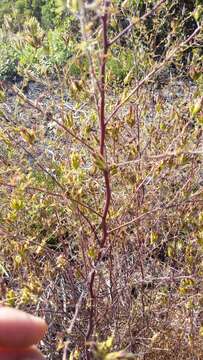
column 106, row 208
column 104, row 20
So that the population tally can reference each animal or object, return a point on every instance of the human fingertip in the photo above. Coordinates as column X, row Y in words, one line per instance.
column 31, row 353
column 19, row 329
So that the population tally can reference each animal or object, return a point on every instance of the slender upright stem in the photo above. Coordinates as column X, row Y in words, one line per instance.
column 102, row 128
column 104, row 20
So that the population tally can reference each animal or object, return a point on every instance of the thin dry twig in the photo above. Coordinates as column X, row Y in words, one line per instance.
column 72, row 324
column 130, row 26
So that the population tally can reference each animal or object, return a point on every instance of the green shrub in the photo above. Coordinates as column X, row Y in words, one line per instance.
column 8, row 61
column 40, row 52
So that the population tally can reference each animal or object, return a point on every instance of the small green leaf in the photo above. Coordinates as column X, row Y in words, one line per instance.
column 2, row 96
column 17, row 260
column 73, row 5
column 99, row 161
column 170, row 251
column 26, row 296
column 74, row 355
column 153, row 237
column 17, row 204
column 196, row 107
column 128, row 77
column 198, row 13
column 75, row 160
column 28, row 135
column 92, row 253
column 162, row 126
column 130, row 117
column 10, row 297
column 120, row 355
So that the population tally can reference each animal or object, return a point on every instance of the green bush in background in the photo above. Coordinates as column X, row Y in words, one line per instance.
column 49, row 40
column 8, row 61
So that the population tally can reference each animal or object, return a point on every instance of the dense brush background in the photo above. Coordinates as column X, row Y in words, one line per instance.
column 148, row 299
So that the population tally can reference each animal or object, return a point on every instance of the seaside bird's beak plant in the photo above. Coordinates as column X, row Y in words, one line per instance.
column 101, row 186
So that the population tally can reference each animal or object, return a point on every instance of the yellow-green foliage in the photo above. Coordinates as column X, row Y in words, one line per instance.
column 101, row 217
